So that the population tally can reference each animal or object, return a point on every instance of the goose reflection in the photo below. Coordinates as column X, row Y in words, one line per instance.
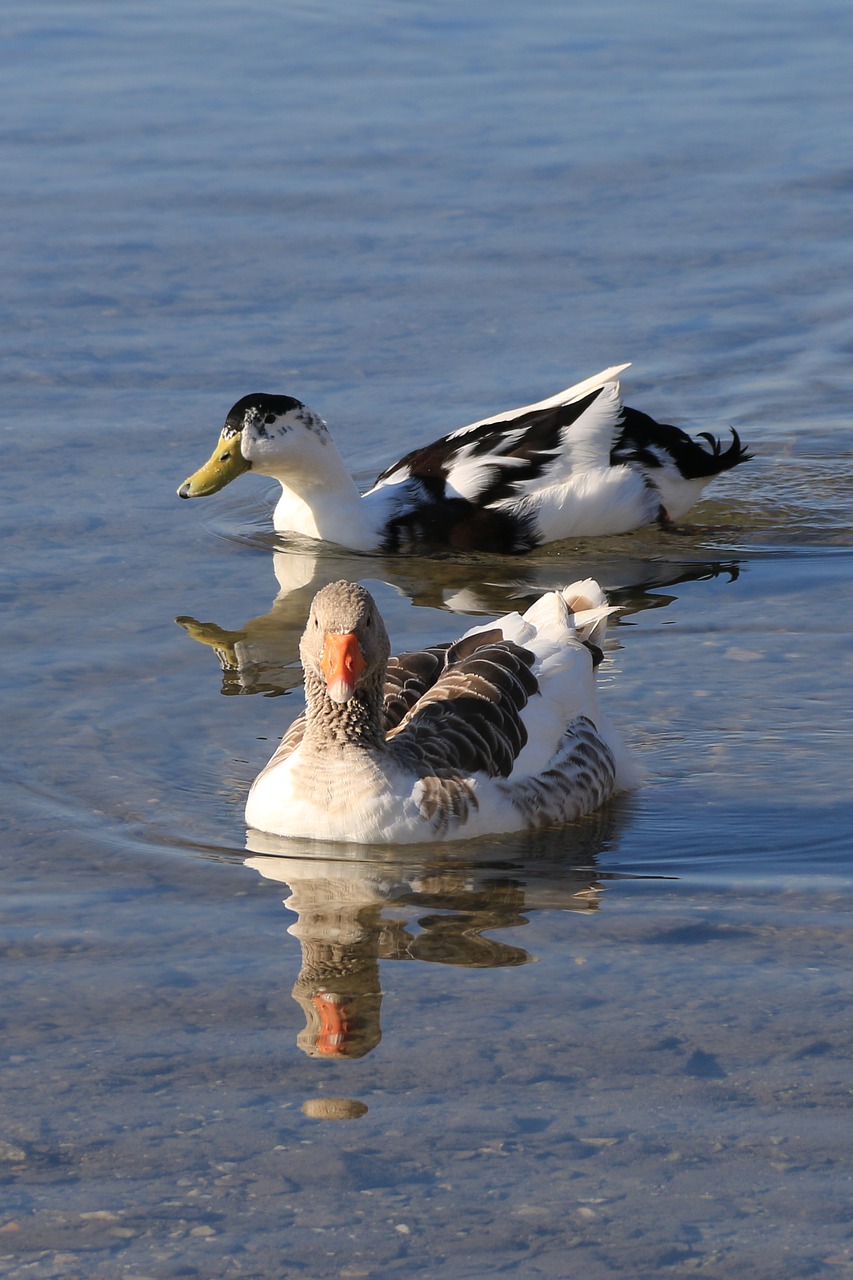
column 262, row 656
column 360, row 907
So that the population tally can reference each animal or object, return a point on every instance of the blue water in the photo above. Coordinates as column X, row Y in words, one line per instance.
column 622, row 1049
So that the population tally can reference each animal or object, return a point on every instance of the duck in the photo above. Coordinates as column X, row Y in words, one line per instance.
column 577, row 464
column 498, row 731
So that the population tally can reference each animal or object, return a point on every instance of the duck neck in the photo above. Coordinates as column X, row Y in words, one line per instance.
column 334, row 726
column 320, row 500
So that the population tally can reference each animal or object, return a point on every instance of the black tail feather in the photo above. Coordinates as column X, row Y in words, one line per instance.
column 642, row 435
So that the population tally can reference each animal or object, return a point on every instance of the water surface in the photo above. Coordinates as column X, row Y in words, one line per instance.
column 618, row 1049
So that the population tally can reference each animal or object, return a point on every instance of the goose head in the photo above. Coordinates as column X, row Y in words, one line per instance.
column 345, row 646
column 273, row 435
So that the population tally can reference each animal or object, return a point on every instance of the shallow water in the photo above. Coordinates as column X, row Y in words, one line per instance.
column 619, row 1049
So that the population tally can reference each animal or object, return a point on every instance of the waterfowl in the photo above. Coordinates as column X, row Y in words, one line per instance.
column 577, row 464
column 497, row 732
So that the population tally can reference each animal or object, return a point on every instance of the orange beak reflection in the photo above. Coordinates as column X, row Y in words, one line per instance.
column 334, row 1034
column 342, row 663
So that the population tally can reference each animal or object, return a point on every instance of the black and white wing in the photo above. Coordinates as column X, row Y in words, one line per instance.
column 462, row 490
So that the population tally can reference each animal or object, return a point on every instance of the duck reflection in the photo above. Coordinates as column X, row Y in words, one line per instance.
column 361, row 907
column 262, row 656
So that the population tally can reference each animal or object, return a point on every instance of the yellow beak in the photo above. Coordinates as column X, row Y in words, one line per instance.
column 224, row 465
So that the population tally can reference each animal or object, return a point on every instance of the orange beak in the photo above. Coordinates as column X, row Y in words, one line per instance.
column 342, row 663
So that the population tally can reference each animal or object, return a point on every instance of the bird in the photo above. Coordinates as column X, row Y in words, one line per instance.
column 498, row 731
column 577, row 464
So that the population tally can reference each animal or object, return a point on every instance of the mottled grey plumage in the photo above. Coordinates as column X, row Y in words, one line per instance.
column 579, row 779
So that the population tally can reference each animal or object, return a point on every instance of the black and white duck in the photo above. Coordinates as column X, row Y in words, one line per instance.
column 575, row 465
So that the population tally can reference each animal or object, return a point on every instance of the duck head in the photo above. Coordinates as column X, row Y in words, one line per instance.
column 260, row 433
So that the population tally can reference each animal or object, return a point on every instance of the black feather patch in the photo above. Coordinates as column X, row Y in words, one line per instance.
column 640, row 434
column 260, row 408
column 457, row 524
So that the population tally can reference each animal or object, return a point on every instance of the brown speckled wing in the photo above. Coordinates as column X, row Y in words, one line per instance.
column 468, row 721
column 407, row 679
column 579, row 778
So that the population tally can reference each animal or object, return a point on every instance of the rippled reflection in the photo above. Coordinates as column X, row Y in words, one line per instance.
column 359, row 907
column 262, row 656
